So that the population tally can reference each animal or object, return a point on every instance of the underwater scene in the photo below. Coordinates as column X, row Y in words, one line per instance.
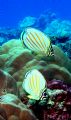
column 35, row 59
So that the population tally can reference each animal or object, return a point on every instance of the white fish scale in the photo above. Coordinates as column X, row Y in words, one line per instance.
column 26, row 41
column 30, row 44
column 41, row 48
column 47, row 44
column 35, row 45
column 25, row 84
column 42, row 37
column 45, row 41
column 39, row 39
column 33, row 31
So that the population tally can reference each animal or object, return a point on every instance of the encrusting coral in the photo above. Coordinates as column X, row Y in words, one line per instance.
column 15, row 61
column 7, row 84
column 49, row 100
column 12, row 108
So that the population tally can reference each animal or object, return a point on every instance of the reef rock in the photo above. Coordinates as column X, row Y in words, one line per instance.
column 45, row 19
column 27, row 22
column 14, row 58
column 41, row 22
column 59, row 30
column 11, row 108
column 57, row 102
column 50, row 71
column 67, row 48
column 7, row 83
column 9, row 33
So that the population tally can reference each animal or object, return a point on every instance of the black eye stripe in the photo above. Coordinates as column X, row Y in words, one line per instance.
column 43, row 96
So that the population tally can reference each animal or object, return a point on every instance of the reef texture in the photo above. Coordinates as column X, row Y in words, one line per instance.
column 57, row 105
column 11, row 108
column 58, row 30
column 16, row 60
column 7, row 84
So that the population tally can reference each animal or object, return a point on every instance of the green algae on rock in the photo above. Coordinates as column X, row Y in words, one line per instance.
column 17, row 60
column 13, row 107
column 7, row 83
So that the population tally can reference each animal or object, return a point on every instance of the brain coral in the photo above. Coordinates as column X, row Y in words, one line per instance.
column 13, row 109
column 16, row 60
column 7, row 83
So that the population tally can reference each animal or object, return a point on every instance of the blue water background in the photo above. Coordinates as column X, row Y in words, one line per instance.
column 12, row 11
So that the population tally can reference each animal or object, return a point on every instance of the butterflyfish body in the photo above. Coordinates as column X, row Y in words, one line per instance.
column 34, row 84
column 37, row 41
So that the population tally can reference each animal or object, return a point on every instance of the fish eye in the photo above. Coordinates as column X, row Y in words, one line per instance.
column 44, row 93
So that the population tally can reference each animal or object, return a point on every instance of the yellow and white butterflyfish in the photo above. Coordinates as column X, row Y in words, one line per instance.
column 34, row 84
column 37, row 41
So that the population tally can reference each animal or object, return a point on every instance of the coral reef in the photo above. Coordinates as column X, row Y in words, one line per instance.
column 12, row 54
column 7, row 34
column 45, row 19
column 57, row 106
column 27, row 22
column 16, row 60
column 7, row 84
column 58, row 30
column 11, row 108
